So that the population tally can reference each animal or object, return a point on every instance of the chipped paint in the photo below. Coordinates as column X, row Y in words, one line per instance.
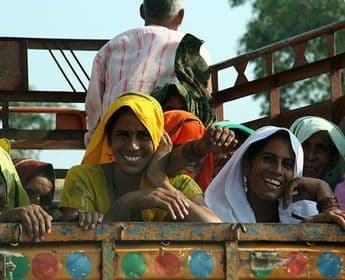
column 66, row 230
column 263, row 263
column 134, row 230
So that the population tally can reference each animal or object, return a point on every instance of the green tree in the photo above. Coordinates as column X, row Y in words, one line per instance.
column 275, row 20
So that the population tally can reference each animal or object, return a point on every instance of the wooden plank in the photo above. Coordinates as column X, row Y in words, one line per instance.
column 282, row 78
column 232, row 260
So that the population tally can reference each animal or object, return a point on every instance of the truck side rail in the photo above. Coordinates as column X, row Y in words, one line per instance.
column 14, row 83
column 175, row 251
column 271, row 82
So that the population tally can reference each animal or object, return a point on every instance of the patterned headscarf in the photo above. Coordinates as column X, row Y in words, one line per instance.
column 193, row 76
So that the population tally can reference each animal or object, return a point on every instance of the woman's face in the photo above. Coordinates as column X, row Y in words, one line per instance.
column 131, row 144
column 270, row 170
column 318, row 155
column 39, row 190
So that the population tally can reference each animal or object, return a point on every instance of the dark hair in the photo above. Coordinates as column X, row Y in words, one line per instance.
column 160, row 9
column 258, row 146
column 112, row 120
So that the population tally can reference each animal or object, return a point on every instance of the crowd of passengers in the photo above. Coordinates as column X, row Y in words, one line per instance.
column 155, row 151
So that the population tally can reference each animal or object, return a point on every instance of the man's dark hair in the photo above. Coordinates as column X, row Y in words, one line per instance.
column 160, row 9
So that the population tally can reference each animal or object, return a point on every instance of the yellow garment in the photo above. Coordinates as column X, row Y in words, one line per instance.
column 5, row 144
column 11, row 180
column 148, row 111
column 86, row 189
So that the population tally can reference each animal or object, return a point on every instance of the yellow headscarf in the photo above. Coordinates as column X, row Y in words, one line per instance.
column 148, row 111
column 5, row 144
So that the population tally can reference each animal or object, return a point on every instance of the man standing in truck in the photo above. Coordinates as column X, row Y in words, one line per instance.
column 150, row 57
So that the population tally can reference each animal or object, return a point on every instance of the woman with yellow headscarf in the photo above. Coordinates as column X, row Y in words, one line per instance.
column 123, row 172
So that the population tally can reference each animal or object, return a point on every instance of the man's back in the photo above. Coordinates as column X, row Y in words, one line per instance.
column 137, row 60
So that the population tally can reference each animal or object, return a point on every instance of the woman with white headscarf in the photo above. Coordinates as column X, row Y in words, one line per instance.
column 263, row 176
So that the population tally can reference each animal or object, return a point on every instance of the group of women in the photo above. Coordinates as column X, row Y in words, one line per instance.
column 146, row 165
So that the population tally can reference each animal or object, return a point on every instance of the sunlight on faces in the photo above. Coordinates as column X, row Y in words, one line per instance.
column 131, row 143
column 270, row 169
column 320, row 155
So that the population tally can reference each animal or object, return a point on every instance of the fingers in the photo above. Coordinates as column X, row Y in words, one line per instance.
column 165, row 144
column 222, row 137
column 332, row 216
column 36, row 221
column 178, row 204
column 89, row 219
column 288, row 193
column 174, row 202
column 167, row 141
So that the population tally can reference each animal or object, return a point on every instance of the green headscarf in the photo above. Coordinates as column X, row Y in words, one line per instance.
column 305, row 127
column 193, row 76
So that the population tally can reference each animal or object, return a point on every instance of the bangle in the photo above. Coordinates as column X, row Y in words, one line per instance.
column 327, row 203
column 189, row 154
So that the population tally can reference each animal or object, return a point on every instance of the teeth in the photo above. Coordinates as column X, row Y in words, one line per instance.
column 132, row 158
column 273, row 182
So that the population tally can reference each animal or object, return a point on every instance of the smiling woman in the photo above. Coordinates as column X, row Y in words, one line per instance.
column 261, row 183
column 123, row 176
column 324, row 148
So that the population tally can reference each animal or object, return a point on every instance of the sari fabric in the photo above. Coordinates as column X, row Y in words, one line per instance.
column 85, row 185
column 305, row 127
column 15, row 194
column 183, row 127
column 86, row 189
column 226, row 195
column 193, row 76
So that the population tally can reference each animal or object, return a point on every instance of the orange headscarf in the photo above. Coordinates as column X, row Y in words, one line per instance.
column 183, row 127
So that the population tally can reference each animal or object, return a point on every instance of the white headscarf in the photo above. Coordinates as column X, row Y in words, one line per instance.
column 226, row 195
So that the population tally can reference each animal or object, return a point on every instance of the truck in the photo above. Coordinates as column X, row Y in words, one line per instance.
column 126, row 250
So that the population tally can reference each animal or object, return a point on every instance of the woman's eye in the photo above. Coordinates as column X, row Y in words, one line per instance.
column 268, row 158
column 289, row 165
column 322, row 149
column 145, row 135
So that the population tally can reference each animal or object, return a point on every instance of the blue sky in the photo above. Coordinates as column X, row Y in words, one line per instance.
column 213, row 21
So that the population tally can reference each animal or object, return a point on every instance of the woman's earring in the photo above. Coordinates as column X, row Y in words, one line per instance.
column 245, row 183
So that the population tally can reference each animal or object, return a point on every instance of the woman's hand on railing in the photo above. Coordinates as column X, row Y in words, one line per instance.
column 89, row 219
column 36, row 221
column 336, row 216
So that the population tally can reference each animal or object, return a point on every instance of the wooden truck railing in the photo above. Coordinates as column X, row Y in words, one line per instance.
column 14, row 83
column 175, row 251
column 271, row 82
column 167, row 250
